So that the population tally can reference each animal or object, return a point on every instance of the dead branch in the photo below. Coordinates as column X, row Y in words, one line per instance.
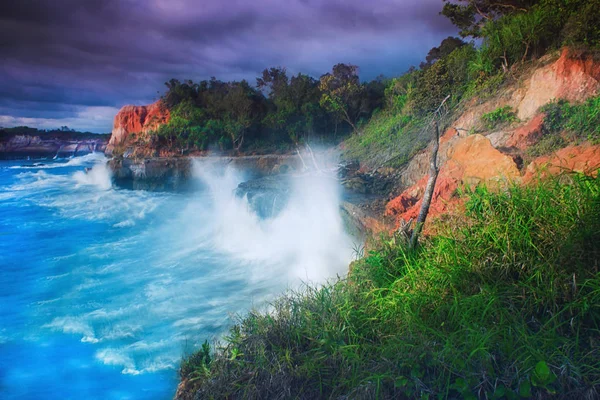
column 429, row 189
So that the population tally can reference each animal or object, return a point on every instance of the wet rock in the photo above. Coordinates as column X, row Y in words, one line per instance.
column 152, row 174
column 267, row 196
column 50, row 146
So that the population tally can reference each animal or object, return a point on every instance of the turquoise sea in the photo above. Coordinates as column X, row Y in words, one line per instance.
column 103, row 290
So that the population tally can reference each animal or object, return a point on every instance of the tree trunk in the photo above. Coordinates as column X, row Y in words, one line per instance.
column 349, row 120
column 429, row 189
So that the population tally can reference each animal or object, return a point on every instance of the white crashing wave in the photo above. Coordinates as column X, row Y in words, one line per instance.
column 305, row 240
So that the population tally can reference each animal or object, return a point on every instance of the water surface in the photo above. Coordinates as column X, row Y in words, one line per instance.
column 102, row 290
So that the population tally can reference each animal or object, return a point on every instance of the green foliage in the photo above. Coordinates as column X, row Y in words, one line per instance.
column 583, row 24
column 447, row 46
column 582, row 120
column 502, row 303
column 197, row 365
column 296, row 109
column 399, row 91
column 502, row 115
column 279, row 111
column 447, row 76
column 513, row 38
column 514, row 31
column 341, row 92
column 469, row 15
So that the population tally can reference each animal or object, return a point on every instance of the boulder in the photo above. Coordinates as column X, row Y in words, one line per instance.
column 527, row 135
column 583, row 158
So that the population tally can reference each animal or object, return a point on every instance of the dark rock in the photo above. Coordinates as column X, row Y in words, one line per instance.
column 175, row 173
column 152, row 174
column 267, row 196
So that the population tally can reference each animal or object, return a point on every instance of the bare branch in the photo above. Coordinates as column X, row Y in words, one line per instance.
column 429, row 189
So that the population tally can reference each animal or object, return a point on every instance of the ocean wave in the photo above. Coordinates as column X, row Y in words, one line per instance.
column 73, row 325
column 126, row 357
column 91, row 158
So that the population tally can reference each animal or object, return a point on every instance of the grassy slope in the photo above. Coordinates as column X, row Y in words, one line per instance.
column 502, row 303
column 388, row 139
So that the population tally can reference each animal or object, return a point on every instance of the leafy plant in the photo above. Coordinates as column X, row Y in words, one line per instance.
column 502, row 115
column 581, row 119
column 198, row 364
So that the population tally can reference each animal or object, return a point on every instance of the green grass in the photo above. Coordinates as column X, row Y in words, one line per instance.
column 547, row 144
column 504, row 302
column 581, row 119
column 500, row 116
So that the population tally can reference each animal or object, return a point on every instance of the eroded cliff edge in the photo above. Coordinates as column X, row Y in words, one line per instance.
column 39, row 144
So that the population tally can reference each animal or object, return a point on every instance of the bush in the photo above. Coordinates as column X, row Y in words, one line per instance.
column 502, row 303
column 581, row 119
column 583, row 26
column 514, row 38
column 502, row 115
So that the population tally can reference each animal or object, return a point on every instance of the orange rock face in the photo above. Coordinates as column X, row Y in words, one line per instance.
column 528, row 134
column 136, row 119
column 572, row 77
column 584, row 159
column 470, row 160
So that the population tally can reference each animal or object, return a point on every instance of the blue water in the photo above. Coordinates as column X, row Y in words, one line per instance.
column 103, row 290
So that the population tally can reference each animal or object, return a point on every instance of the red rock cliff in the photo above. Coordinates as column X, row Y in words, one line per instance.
column 136, row 119
column 492, row 157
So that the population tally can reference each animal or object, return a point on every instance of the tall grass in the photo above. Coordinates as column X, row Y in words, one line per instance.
column 580, row 119
column 503, row 302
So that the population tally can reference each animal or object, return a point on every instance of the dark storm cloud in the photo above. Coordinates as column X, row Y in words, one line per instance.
column 65, row 59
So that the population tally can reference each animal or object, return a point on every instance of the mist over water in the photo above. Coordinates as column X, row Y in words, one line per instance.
column 103, row 290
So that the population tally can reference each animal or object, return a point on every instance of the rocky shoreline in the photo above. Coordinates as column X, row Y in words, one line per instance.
column 174, row 173
column 19, row 147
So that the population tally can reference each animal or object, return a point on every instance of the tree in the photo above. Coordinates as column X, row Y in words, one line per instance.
column 341, row 92
column 470, row 15
column 274, row 80
column 447, row 46
column 237, row 114
column 433, row 175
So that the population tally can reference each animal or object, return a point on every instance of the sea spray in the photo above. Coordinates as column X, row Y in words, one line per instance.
column 99, row 175
column 306, row 241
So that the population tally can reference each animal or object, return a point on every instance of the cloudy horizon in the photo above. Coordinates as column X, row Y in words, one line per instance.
column 76, row 63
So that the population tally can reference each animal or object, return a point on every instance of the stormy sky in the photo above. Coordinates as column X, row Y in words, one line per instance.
column 76, row 62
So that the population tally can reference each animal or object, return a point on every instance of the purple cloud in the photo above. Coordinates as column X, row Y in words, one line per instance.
column 64, row 59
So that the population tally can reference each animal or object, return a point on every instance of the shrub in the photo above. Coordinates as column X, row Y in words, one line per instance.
column 583, row 26
column 502, row 115
column 580, row 119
